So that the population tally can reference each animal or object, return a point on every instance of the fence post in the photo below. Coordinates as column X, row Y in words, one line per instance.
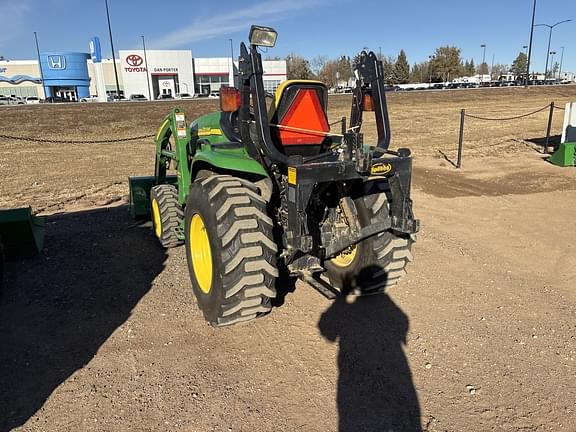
column 550, row 115
column 461, row 139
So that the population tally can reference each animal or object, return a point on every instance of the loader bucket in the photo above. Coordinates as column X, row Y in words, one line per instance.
column 21, row 233
column 140, row 194
column 565, row 155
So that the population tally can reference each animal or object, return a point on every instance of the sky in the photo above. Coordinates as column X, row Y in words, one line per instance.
column 309, row 28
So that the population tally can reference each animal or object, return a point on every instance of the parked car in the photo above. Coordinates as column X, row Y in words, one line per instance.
column 164, row 97
column 116, row 98
column 17, row 100
column 138, row 97
column 183, row 96
column 215, row 94
column 4, row 100
column 32, row 100
column 89, row 99
column 55, row 99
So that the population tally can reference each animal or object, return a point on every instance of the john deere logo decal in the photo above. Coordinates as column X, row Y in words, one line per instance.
column 380, row 169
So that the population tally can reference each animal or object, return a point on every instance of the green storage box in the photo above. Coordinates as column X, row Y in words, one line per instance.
column 21, row 233
column 140, row 194
column 564, row 156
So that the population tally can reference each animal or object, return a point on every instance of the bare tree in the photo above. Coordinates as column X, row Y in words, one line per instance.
column 297, row 67
column 498, row 70
column 318, row 63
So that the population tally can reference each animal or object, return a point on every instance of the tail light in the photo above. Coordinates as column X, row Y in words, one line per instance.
column 229, row 99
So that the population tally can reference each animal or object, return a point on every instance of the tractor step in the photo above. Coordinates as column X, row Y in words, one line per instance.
column 21, row 233
column 140, row 194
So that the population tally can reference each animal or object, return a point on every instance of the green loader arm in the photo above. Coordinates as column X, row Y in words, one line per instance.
column 174, row 125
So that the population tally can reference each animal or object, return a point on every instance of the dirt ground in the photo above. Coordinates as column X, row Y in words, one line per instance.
column 101, row 331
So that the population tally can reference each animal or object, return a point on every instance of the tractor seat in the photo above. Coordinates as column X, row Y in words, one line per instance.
column 298, row 118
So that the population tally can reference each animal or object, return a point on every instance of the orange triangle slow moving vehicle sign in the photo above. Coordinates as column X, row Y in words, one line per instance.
column 305, row 112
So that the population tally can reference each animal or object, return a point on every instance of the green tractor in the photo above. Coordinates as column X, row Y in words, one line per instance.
column 264, row 185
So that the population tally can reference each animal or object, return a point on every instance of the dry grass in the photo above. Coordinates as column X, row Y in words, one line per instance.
column 55, row 176
column 429, row 121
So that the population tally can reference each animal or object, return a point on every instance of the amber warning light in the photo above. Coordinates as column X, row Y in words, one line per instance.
column 229, row 99
column 368, row 103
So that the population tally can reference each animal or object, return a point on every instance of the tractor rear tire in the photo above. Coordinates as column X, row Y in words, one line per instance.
column 230, row 249
column 376, row 263
column 167, row 214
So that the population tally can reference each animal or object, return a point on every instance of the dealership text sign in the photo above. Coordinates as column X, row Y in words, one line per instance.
column 165, row 69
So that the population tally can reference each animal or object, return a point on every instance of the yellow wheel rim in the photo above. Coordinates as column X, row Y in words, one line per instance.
column 345, row 258
column 156, row 218
column 200, row 253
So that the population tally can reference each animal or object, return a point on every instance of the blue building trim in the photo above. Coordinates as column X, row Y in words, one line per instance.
column 19, row 79
column 65, row 69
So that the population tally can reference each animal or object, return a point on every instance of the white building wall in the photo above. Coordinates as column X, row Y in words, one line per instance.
column 206, row 69
column 109, row 77
column 12, row 68
column 274, row 74
column 167, row 69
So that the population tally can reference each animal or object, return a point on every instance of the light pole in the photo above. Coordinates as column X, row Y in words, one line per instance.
column 561, row 60
column 492, row 67
column 430, row 58
column 551, row 27
column 40, row 66
column 552, row 53
column 146, row 65
column 483, row 61
column 113, row 55
column 530, row 44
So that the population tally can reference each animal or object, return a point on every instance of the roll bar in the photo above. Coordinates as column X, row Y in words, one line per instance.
column 251, row 84
column 370, row 80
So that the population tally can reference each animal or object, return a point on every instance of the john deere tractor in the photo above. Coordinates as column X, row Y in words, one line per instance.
column 265, row 185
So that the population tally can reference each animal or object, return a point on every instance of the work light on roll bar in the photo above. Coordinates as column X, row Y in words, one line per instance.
column 262, row 36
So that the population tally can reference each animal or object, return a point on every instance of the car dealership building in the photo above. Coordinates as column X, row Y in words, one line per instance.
column 77, row 76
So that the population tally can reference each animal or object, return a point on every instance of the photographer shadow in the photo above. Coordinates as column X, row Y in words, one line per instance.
column 375, row 389
column 59, row 308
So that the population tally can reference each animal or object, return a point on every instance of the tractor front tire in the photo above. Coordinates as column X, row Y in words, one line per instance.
column 230, row 249
column 376, row 263
column 167, row 214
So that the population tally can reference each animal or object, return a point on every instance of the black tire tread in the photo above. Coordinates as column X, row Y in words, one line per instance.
column 392, row 251
column 381, row 260
column 1, row 267
column 171, row 214
column 248, row 252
